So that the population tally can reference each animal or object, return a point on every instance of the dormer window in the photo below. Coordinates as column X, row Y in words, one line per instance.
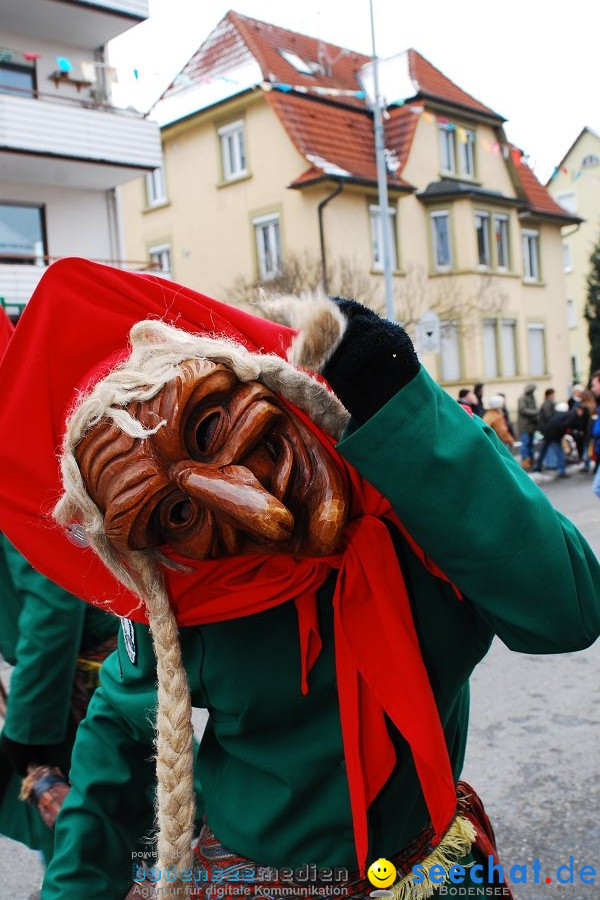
column 300, row 65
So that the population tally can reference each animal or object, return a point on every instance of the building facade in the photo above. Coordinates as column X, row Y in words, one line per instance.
column 63, row 147
column 270, row 178
column 575, row 184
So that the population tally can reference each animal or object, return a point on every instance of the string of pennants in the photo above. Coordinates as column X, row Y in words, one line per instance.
column 89, row 69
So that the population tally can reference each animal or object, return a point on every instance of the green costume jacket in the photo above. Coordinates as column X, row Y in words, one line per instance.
column 43, row 630
column 271, row 762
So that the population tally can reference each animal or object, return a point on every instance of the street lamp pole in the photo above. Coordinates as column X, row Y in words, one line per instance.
column 382, row 182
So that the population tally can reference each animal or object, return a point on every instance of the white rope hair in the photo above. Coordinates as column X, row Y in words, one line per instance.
column 157, row 352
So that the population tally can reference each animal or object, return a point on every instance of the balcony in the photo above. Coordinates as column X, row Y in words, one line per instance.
column 18, row 282
column 79, row 23
column 74, row 143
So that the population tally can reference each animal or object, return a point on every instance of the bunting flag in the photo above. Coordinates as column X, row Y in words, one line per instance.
column 31, row 55
column 6, row 55
column 64, row 64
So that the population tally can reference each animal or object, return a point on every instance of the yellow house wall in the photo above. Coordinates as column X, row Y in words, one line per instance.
column 581, row 240
column 208, row 225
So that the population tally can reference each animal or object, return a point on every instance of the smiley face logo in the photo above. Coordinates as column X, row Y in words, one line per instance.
column 381, row 873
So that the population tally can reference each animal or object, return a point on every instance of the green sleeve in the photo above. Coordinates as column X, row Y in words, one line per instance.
column 525, row 568
column 106, row 822
column 50, row 630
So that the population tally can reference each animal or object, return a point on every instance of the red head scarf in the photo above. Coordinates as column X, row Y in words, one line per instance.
column 79, row 317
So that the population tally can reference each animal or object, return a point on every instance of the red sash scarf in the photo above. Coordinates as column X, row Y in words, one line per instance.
column 380, row 670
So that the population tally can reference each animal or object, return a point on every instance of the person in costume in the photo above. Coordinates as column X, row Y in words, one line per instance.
column 55, row 643
column 336, row 551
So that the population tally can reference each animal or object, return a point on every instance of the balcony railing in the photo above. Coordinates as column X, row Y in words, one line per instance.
column 85, row 128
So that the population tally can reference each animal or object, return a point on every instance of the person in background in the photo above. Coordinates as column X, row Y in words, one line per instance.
column 479, row 407
column 56, row 644
column 527, row 423
column 546, row 413
column 509, row 424
column 467, row 398
column 562, row 420
column 494, row 417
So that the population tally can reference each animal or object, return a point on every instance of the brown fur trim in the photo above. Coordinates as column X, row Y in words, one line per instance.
column 318, row 320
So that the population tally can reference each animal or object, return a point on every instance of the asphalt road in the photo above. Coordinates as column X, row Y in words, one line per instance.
column 533, row 752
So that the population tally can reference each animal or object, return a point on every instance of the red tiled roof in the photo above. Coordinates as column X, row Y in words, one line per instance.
column 339, row 66
column 238, row 39
column 339, row 141
column 432, row 82
column 537, row 197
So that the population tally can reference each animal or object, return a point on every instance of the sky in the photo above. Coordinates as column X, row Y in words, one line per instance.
column 531, row 61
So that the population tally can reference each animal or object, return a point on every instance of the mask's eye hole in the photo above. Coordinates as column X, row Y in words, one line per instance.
column 180, row 513
column 205, row 431
column 175, row 512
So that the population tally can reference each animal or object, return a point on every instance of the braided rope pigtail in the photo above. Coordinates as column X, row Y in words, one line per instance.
column 174, row 732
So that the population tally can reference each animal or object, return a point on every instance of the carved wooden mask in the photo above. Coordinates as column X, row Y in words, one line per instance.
column 233, row 472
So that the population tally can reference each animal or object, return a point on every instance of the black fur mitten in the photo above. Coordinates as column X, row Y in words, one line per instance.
column 374, row 359
column 365, row 359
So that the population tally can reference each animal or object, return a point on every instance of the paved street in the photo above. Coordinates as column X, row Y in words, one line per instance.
column 533, row 752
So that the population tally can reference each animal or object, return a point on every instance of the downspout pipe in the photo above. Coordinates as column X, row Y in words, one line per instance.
column 321, row 207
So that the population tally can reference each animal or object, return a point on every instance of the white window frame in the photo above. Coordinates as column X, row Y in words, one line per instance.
column 376, row 223
column 466, row 154
column 483, row 217
column 537, row 328
column 156, row 192
column 450, row 356
column 508, row 326
column 567, row 261
column 491, row 357
column 440, row 214
column 531, row 261
column 500, row 218
column 300, row 64
column 159, row 253
column 271, row 226
column 447, row 132
column 233, row 150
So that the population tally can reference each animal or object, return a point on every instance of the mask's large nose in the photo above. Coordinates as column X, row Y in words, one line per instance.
column 236, row 493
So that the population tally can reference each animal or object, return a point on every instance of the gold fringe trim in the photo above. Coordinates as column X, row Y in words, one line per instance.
column 455, row 844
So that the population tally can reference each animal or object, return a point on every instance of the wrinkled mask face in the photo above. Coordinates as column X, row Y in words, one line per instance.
column 233, row 472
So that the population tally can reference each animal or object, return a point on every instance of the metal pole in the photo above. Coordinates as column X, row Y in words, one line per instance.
column 382, row 183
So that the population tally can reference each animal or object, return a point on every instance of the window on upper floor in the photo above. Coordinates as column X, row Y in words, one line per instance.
column 466, row 151
column 17, row 79
column 482, row 231
column 568, row 200
column 233, row 150
column 571, row 313
column 268, row 246
column 450, row 367
column 592, row 159
column 531, row 255
column 457, row 150
column 156, row 193
column 377, row 236
column 440, row 233
column 567, row 264
column 22, row 234
column 447, row 148
column 501, row 238
column 160, row 257
column 536, row 339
